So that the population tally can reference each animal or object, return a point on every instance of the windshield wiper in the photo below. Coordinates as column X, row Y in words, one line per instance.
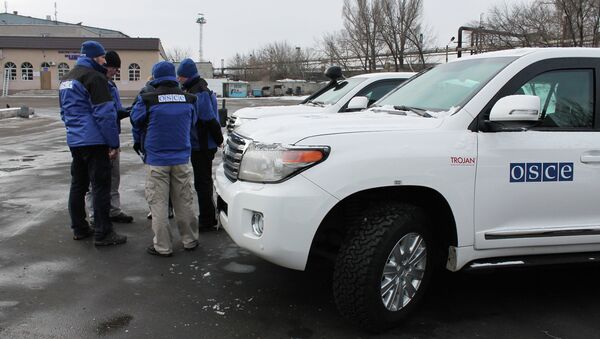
column 418, row 111
column 316, row 103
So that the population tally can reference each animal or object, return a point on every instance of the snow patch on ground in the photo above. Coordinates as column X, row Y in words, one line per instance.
column 234, row 267
column 34, row 276
column 133, row 279
column 5, row 304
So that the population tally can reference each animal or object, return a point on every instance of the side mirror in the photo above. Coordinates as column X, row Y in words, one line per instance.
column 516, row 108
column 358, row 103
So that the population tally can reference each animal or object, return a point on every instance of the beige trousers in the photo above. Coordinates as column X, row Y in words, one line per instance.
column 173, row 181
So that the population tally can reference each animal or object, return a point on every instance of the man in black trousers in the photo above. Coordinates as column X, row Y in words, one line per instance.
column 206, row 137
column 90, row 117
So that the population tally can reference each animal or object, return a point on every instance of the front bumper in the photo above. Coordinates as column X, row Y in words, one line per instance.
column 292, row 210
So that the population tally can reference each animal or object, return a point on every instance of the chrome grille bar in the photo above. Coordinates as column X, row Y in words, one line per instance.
column 232, row 155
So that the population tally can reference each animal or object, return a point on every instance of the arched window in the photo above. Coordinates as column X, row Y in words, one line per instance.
column 11, row 68
column 117, row 76
column 26, row 71
column 63, row 69
column 45, row 66
column 134, row 72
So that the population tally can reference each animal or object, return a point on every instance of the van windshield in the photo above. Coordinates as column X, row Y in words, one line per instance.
column 335, row 93
column 446, row 87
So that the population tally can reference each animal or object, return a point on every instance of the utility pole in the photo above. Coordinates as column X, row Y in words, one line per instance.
column 201, row 21
column 449, row 42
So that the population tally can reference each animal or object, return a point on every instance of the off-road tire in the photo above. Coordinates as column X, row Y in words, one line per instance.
column 359, row 264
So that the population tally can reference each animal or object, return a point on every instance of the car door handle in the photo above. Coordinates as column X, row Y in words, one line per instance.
column 592, row 157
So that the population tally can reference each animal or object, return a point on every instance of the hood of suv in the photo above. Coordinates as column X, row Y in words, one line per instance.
column 291, row 129
column 267, row 111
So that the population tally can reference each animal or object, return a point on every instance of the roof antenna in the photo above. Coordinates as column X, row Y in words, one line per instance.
column 55, row 12
column 5, row 6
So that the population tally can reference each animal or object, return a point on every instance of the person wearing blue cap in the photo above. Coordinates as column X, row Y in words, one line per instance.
column 206, row 137
column 162, row 119
column 90, row 117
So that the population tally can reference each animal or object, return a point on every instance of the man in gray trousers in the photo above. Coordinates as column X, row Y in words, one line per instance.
column 112, row 66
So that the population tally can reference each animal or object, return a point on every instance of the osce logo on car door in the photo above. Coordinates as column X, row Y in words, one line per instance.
column 541, row 172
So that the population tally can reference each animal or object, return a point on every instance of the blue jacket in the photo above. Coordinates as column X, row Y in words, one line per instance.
column 204, row 136
column 114, row 91
column 162, row 120
column 87, row 107
column 121, row 112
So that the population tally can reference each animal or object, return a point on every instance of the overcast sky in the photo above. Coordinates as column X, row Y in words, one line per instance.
column 237, row 25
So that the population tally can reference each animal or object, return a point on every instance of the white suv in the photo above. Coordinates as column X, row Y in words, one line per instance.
column 335, row 97
column 486, row 161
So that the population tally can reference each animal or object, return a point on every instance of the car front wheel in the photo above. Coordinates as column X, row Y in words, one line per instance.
column 384, row 265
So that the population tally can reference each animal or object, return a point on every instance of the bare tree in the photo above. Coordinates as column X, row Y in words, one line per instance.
column 237, row 65
column 334, row 47
column 177, row 54
column 362, row 20
column 420, row 39
column 276, row 60
column 580, row 20
column 544, row 23
column 401, row 19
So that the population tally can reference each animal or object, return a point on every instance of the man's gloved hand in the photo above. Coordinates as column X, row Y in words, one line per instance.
column 137, row 148
column 123, row 113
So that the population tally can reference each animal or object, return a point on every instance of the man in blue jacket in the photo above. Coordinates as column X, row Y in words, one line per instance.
column 206, row 137
column 90, row 118
column 162, row 119
column 112, row 65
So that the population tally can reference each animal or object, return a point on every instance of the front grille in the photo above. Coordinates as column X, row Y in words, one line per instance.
column 232, row 155
column 231, row 123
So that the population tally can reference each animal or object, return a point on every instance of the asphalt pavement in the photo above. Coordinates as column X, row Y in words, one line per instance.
column 54, row 287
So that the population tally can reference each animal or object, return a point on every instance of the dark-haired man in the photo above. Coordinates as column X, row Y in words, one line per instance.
column 112, row 65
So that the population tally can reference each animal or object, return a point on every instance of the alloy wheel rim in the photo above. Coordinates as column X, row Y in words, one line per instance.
column 403, row 272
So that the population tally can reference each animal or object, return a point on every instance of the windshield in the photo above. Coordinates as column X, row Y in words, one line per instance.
column 335, row 93
column 447, row 86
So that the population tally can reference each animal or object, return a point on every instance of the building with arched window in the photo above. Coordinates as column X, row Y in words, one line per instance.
column 134, row 72
column 10, row 70
column 63, row 68
column 26, row 71
column 37, row 53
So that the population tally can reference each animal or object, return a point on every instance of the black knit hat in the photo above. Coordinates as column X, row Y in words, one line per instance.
column 112, row 60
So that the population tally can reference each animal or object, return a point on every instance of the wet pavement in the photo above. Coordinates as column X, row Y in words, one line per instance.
column 54, row 287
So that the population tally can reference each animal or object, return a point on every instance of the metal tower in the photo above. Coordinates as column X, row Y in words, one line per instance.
column 200, row 21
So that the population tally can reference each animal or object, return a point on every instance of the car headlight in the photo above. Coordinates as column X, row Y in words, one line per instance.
column 271, row 163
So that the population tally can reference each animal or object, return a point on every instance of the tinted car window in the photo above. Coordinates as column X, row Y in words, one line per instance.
column 566, row 97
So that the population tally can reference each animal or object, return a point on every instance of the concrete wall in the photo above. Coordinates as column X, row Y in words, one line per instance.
column 21, row 112
column 145, row 59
